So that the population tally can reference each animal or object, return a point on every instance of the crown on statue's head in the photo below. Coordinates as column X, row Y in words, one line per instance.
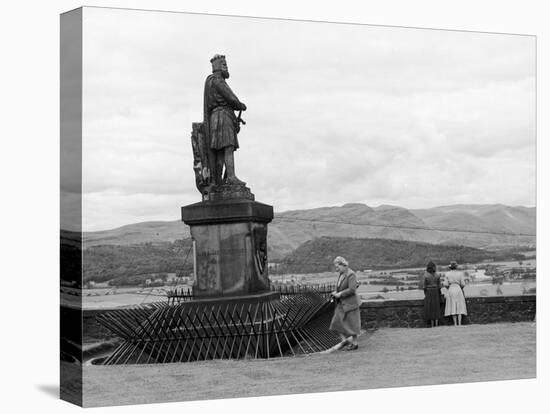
column 218, row 63
column 217, row 57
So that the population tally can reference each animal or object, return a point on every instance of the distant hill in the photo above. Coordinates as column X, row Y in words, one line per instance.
column 147, row 231
column 495, row 218
column 318, row 255
column 292, row 228
column 349, row 220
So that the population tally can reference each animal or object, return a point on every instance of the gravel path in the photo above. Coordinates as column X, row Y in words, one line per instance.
column 391, row 357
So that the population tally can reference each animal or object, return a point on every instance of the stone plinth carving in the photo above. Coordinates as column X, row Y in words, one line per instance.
column 230, row 239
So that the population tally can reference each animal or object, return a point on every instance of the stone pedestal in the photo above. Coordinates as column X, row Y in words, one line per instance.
column 230, row 246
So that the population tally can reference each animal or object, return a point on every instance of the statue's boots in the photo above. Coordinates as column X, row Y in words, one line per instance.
column 234, row 181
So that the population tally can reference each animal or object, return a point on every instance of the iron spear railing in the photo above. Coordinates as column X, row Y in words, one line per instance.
column 176, row 295
column 195, row 330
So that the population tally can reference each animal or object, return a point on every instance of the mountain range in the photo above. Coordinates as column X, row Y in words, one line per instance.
column 487, row 226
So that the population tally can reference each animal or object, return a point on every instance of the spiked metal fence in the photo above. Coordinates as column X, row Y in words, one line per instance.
column 195, row 330
column 323, row 289
column 176, row 295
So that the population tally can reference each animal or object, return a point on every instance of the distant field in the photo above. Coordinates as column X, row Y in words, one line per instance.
column 106, row 298
column 472, row 290
column 128, row 296
column 97, row 299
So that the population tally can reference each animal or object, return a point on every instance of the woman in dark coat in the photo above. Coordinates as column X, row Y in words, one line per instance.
column 432, row 286
column 347, row 319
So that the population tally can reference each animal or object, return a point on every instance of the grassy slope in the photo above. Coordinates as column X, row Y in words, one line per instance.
column 386, row 358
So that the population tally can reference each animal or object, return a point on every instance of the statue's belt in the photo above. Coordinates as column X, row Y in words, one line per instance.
column 220, row 108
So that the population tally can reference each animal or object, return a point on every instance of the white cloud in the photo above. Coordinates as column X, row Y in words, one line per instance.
column 337, row 113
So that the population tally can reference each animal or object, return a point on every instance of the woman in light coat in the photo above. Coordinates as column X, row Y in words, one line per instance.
column 455, row 302
column 347, row 319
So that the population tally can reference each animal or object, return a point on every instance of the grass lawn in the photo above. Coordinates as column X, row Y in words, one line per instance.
column 390, row 357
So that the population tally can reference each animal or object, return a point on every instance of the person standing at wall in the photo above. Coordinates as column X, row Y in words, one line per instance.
column 455, row 304
column 431, row 284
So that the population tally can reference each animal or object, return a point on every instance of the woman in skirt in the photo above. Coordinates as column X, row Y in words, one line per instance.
column 432, row 286
column 347, row 319
column 455, row 303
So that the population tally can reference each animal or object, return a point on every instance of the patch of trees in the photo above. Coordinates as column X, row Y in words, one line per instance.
column 123, row 264
column 317, row 255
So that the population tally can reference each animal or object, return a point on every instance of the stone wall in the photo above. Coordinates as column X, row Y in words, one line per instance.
column 387, row 313
column 409, row 313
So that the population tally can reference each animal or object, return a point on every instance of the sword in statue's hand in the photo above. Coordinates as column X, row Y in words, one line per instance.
column 239, row 119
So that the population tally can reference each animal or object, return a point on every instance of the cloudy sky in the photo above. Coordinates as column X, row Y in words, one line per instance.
column 336, row 113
